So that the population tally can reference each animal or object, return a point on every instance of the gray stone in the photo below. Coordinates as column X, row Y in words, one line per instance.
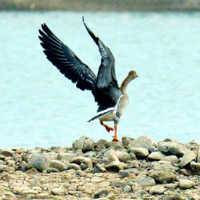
column 127, row 188
column 84, row 143
column 163, row 166
column 116, row 166
column 24, row 166
column 66, row 156
column 83, row 160
column 124, row 173
column 133, row 171
column 195, row 167
column 110, row 156
column 171, row 185
column 51, row 170
column 172, row 159
column 145, row 181
column 57, row 191
column 57, row 165
column 172, row 147
column 187, row 158
column 73, row 166
column 143, row 142
column 123, row 156
column 156, row 156
column 99, row 169
column 140, row 194
column 158, row 189
column 139, row 152
column 186, row 184
column 135, row 164
column 162, row 176
column 39, row 162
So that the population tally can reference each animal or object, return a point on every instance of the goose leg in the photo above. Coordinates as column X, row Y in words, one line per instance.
column 115, row 135
column 108, row 128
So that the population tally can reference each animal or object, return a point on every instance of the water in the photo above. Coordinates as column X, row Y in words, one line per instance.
column 40, row 107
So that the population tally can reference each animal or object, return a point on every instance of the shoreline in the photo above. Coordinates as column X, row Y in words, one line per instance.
column 105, row 5
column 134, row 169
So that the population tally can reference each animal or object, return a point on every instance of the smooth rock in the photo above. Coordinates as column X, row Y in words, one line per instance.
column 57, row 191
column 156, row 155
column 57, row 165
column 127, row 188
column 110, row 156
column 39, row 162
column 51, row 170
column 158, row 189
column 172, row 185
column 139, row 152
column 143, row 142
column 73, row 166
column 186, row 184
column 187, row 158
column 123, row 156
column 163, row 166
column 124, row 173
column 172, row 159
column 24, row 166
column 116, row 166
column 135, row 164
column 84, row 160
column 172, row 147
column 145, row 181
column 84, row 143
column 162, row 176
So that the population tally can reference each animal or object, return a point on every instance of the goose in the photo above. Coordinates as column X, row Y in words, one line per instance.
column 112, row 100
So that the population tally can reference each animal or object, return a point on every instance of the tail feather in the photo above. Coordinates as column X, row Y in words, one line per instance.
column 102, row 113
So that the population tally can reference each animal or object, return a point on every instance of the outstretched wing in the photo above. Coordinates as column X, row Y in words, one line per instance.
column 66, row 61
column 108, row 91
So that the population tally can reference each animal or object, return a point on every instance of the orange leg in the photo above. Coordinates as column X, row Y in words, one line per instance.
column 108, row 128
column 115, row 135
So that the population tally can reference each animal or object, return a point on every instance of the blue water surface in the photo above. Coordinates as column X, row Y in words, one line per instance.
column 40, row 107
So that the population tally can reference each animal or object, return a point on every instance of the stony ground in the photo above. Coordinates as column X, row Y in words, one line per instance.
column 134, row 169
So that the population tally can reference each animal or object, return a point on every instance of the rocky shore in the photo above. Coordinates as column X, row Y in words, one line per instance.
column 134, row 169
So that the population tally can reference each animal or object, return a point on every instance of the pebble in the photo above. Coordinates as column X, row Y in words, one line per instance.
column 186, row 184
column 109, row 170
column 84, row 143
column 145, row 181
column 187, row 158
column 170, row 147
column 158, row 189
column 39, row 162
column 139, row 152
column 156, row 156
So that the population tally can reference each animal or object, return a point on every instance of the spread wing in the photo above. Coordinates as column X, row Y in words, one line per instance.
column 66, row 61
column 108, row 91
